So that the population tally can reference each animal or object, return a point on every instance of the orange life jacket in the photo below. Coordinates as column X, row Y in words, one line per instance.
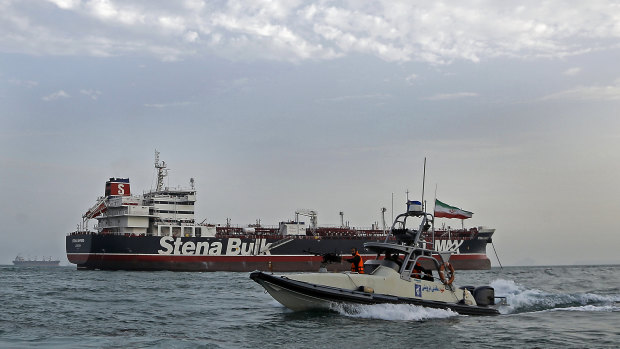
column 359, row 268
column 417, row 271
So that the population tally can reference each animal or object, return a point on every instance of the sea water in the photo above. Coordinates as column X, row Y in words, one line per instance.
column 556, row 306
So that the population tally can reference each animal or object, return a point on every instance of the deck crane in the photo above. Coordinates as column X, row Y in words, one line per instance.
column 308, row 213
column 97, row 209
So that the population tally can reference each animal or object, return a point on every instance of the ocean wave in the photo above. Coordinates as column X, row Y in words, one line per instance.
column 590, row 307
column 392, row 312
column 521, row 299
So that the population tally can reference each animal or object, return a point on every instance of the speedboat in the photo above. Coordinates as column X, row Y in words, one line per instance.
column 404, row 271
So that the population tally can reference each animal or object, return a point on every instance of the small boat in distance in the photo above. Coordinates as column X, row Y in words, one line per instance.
column 49, row 262
column 396, row 275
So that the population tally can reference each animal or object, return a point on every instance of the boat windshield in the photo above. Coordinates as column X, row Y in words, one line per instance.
column 388, row 255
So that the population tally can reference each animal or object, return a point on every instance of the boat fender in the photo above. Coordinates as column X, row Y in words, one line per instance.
column 446, row 278
column 366, row 289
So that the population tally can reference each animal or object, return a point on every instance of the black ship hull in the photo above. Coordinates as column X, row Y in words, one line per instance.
column 234, row 253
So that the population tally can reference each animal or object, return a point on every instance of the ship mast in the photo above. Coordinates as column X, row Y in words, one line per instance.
column 383, row 209
column 161, row 171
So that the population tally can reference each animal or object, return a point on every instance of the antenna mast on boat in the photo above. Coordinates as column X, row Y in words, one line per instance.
column 423, row 181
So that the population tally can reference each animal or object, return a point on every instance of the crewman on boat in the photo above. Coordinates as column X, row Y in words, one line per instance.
column 357, row 263
column 419, row 272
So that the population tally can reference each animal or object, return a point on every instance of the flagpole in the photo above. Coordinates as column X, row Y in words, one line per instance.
column 435, row 202
column 434, row 207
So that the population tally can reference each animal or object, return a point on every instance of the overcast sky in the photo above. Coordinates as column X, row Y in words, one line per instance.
column 274, row 106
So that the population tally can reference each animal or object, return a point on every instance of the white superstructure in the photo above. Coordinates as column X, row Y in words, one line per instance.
column 124, row 215
column 160, row 212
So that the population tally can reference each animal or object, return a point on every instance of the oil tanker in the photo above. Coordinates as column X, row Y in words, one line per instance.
column 157, row 231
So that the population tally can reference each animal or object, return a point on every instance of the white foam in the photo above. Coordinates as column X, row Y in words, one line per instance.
column 520, row 298
column 603, row 308
column 393, row 312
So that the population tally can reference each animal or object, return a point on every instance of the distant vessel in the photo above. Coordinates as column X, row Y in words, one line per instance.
column 157, row 231
column 22, row 262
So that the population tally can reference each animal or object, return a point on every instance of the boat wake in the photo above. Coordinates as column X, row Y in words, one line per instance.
column 392, row 312
column 523, row 300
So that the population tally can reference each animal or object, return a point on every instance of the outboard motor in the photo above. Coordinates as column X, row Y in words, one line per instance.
column 484, row 295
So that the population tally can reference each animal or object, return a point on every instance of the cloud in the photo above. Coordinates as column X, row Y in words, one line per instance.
column 447, row 96
column 108, row 11
column 394, row 31
column 191, row 36
column 56, row 95
column 588, row 93
column 411, row 78
column 572, row 71
column 66, row 4
column 93, row 94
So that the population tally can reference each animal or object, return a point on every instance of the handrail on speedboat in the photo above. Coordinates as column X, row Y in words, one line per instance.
column 409, row 245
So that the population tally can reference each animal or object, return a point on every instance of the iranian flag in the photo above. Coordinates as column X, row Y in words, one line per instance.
column 446, row 211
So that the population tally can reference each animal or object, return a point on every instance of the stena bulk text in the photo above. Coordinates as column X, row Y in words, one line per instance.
column 227, row 247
